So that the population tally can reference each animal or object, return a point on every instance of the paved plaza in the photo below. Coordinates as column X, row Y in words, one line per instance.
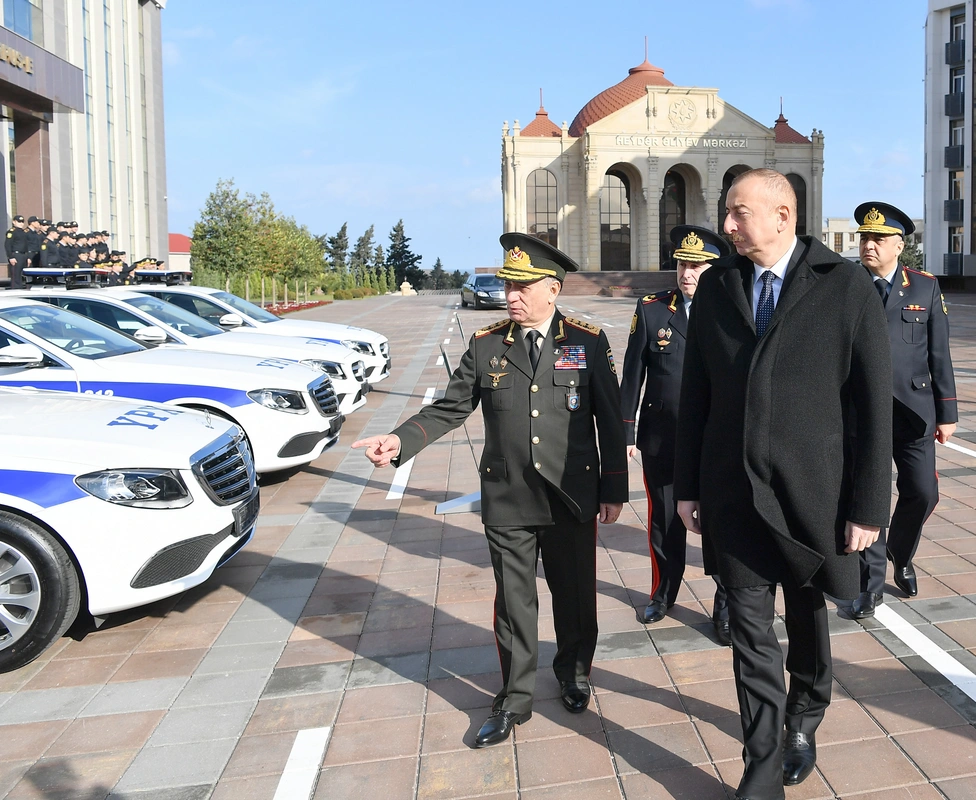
column 349, row 647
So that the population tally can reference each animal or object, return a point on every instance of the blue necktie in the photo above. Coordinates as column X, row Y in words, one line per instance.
column 882, row 286
column 765, row 311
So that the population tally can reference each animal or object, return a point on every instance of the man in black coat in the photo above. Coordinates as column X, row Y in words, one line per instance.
column 542, row 381
column 786, row 345
column 655, row 354
column 50, row 255
column 924, row 390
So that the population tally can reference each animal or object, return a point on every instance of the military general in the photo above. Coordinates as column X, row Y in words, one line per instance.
column 655, row 354
column 554, row 462
column 923, row 395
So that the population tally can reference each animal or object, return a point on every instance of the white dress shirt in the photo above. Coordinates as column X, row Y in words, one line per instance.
column 779, row 270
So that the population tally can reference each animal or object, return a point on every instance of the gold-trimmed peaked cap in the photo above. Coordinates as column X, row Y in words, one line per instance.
column 884, row 219
column 697, row 245
column 529, row 259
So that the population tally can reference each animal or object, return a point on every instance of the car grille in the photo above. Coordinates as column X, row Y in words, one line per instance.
column 359, row 370
column 324, row 396
column 227, row 472
column 385, row 349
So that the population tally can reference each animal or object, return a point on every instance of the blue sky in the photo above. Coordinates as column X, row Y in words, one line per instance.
column 369, row 112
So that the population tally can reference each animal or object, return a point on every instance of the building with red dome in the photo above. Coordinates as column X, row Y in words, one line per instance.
column 639, row 158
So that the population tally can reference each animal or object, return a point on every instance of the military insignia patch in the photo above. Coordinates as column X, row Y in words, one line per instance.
column 633, row 325
column 613, row 367
column 571, row 356
column 572, row 400
column 496, row 377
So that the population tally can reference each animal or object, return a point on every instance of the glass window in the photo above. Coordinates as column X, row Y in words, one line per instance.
column 175, row 317
column 247, row 309
column 540, row 204
column 672, row 213
column 956, row 184
column 18, row 16
column 75, row 334
column 957, row 80
column 955, row 239
column 838, row 242
column 615, row 222
column 957, row 27
column 956, row 132
column 800, row 189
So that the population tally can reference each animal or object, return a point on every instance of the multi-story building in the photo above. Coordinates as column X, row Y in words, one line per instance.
column 840, row 235
column 81, row 98
column 949, row 210
column 638, row 159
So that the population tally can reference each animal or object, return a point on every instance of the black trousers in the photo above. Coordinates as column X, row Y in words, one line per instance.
column 667, row 541
column 918, row 495
column 16, row 271
column 766, row 708
column 568, row 549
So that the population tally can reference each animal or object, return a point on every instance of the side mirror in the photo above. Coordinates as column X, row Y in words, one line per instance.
column 27, row 356
column 151, row 335
column 231, row 321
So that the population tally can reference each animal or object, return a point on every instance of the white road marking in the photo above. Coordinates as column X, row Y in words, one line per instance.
column 960, row 676
column 447, row 341
column 440, row 361
column 450, row 330
column 298, row 779
column 402, row 475
column 608, row 325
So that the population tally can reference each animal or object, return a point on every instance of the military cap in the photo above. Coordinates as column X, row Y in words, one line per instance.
column 51, row 229
column 884, row 219
column 18, row 218
column 72, row 224
column 45, row 222
column 117, row 253
column 31, row 219
column 103, row 233
column 529, row 259
column 697, row 244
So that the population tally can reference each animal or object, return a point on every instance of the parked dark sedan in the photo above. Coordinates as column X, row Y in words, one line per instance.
column 483, row 291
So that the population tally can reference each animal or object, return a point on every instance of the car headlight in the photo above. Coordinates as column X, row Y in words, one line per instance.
column 359, row 347
column 138, row 488
column 482, row 293
column 330, row 368
column 279, row 400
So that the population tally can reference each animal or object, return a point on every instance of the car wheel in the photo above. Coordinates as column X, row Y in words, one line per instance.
column 477, row 304
column 40, row 593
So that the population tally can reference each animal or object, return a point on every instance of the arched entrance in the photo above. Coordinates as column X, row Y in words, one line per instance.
column 616, row 230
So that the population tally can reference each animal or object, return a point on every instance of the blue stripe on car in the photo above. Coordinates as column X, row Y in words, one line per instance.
column 43, row 489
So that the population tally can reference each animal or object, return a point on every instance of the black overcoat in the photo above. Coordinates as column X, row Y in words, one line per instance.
column 763, row 422
column 655, row 354
column 539, row 430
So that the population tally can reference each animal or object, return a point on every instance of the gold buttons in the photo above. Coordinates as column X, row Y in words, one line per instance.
column 534, row 388
column 487, row 469
column 538, row 465
column 535, row 440
column 535, row 412
column 587, row 467
column 917, row 319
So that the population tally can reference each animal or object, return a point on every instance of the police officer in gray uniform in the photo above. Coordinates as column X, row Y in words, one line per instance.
column 542, row 381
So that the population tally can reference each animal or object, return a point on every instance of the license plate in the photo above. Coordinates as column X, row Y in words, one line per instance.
column 246, row 514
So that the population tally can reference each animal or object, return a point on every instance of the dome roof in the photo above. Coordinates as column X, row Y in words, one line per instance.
column 542, row 126
column 630, row 89
column 787, row 135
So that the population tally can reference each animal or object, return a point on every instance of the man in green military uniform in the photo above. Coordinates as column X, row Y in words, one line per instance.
column 542, row 380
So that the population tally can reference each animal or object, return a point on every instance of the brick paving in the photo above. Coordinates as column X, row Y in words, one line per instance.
column 373, row 617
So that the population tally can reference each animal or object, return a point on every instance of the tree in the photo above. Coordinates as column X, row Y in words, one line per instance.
column 438, row 277
column 458, row 278
column 336, row 250
column 911, row 256
column 403, row 260
column 379, row 263
column 225, row 237
column 360, row 262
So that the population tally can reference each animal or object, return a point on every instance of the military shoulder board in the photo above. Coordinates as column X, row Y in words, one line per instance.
column 491, row 328
column 583, row 326
column 651, row 298
column 920, row 272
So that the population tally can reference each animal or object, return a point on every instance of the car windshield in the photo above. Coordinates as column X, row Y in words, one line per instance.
column 174, row 316
column 78, row 335
column 488, row 282
column 246, row 308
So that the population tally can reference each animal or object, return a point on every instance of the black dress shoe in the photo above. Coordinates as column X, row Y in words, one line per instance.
column 799, row 757
column 865, row 604
column 575, row 695
column 722, row 632
column 904, row 576
column 656, row 611
column 498, row 727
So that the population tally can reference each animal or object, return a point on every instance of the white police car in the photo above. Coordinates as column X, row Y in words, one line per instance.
column 288, row 411
column 110, row 504
column 232, row 312
column 132, row 312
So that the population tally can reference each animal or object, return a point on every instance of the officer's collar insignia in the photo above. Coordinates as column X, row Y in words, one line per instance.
column 561, row 333
column 510, row 336
column 904, row 278
column 673, row 305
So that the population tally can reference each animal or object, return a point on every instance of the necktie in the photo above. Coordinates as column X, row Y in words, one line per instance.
column 531, row 342
column 882, row 286
column 765, row 311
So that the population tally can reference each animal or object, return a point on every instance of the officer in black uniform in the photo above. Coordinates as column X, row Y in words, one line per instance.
column 924, row 396
column 655, row 354
column 50, row 254
column 101, row 245
column 68, row 250
column 16, row 248
column 542, row 380
column 34, row 238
